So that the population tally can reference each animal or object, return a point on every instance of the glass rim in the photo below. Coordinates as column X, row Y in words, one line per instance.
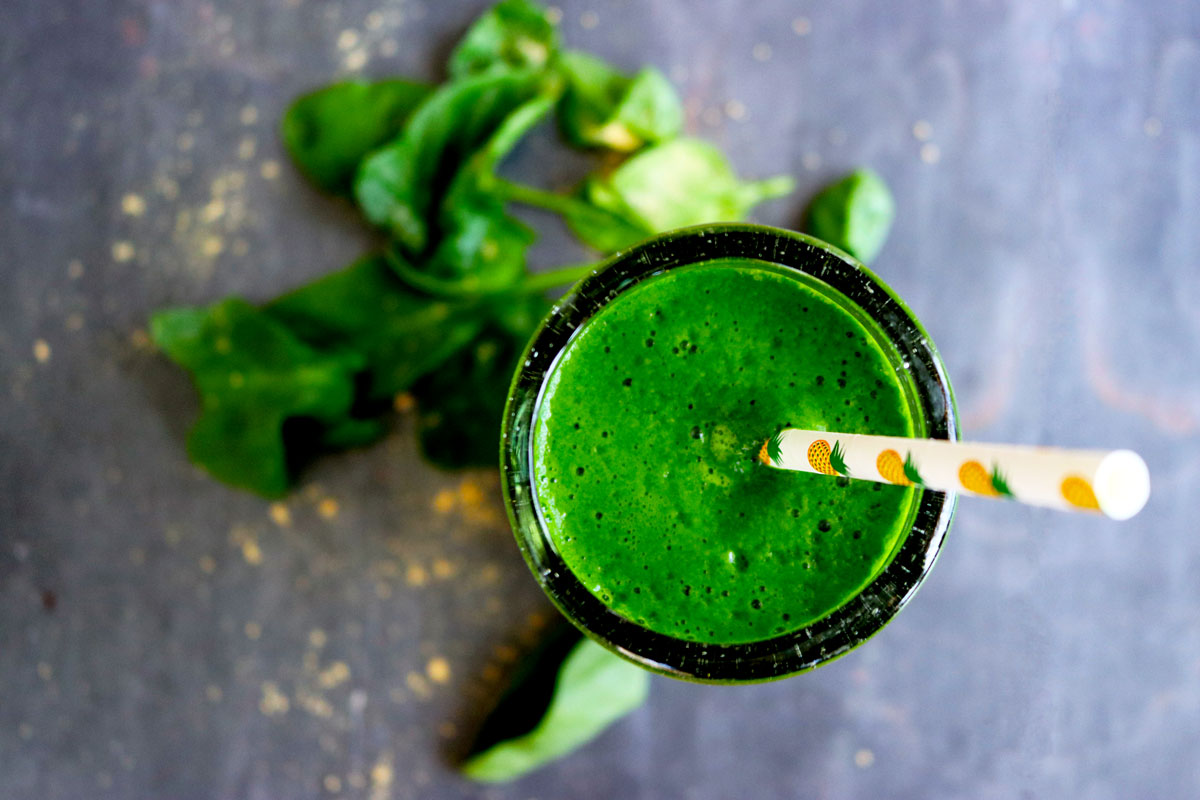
column 821, row 641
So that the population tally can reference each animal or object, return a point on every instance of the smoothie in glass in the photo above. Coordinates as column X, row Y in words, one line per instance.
column 636, row 490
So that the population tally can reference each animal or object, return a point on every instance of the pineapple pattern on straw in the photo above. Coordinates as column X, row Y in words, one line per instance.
column 974, row 477
column 1078, row 492
column 893, row 470
column 828, row 461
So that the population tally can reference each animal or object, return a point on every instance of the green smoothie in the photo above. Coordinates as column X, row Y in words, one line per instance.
column 645, row 447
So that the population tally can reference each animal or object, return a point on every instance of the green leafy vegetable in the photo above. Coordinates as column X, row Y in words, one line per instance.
column 462, row 403
column 512, row 34
column 680, row 183
column 480, row 247
column 330, row 131
column 603, row 108
column 255, row 378
column 573, row 691
column 366, row 310
column 401, row 186
column 854, row 214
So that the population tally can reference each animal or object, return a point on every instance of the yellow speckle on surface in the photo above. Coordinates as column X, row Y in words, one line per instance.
column 931, row 153
column 443, row 501
column 253, row 630
column 396, row 695
column 280, row 514
column 212, row 211
column 240, row 247
column 554, row 15
column 470, row 493
column 212, row 246
column 922, row 131
column 251, row 552
column 335, row 674
column 122, row 251
column 1152, row 126
column 45, row 671
column 332, row 784
column 447, row 730
column 356, row 779
column 404, row 402
column 489, row 574
column 389, row 48
column 247, row 147
column 74, row 269
column 317, row 638
column 355, row 60
column 373, row 21
column 41, row 351
column 381, row 777
column 185, row 142
column 74, row 322
column 213, row 693
column 736, row 110
column 864, row 758
column 269, row 170
column 314, row 704
column 506, row 653
column 137, row 556
column 248, row 115
column 490, row 673
column 133, row 205
column 438, row 670
column 589, row 20
column 273, row 701
column 418, row 685
column 415, row 575
column 25, row 731
column 139, row 339
column 383, row 590
column 802, row 26
column 443, row 568
column 761, row 52
column 347, row 39
column 208, row 564
column 328, row 508
column 166, row 186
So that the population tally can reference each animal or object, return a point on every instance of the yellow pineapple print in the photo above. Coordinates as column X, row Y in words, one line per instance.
column 974, row 478
column 1078, row 492
column 827, row 461
column 891, row 468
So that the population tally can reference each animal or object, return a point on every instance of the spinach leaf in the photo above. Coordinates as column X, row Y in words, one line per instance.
column 512, row 34
column 328, row 132
column 854, row 214
column 255, row 380
column 480, row 247
column 590, row 689
column 682, row 182
column 366, row 310
column 603, row 108
column 462, row 403
column 400, row 187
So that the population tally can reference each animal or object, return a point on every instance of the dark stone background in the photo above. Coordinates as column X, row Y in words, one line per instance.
column 154, row 625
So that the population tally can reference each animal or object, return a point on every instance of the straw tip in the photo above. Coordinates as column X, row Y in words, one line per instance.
column 1122, row 484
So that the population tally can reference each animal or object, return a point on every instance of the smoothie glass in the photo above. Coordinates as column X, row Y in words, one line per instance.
column 931, row 406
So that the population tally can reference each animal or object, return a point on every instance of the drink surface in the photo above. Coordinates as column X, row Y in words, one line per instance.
column 645, row 448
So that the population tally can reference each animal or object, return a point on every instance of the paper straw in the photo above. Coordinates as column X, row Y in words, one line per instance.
column 1112, row 482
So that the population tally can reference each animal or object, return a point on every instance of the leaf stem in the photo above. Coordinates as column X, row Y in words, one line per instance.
column 538, row 198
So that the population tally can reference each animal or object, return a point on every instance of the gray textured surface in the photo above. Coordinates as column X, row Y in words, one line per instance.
column 1048, row 236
